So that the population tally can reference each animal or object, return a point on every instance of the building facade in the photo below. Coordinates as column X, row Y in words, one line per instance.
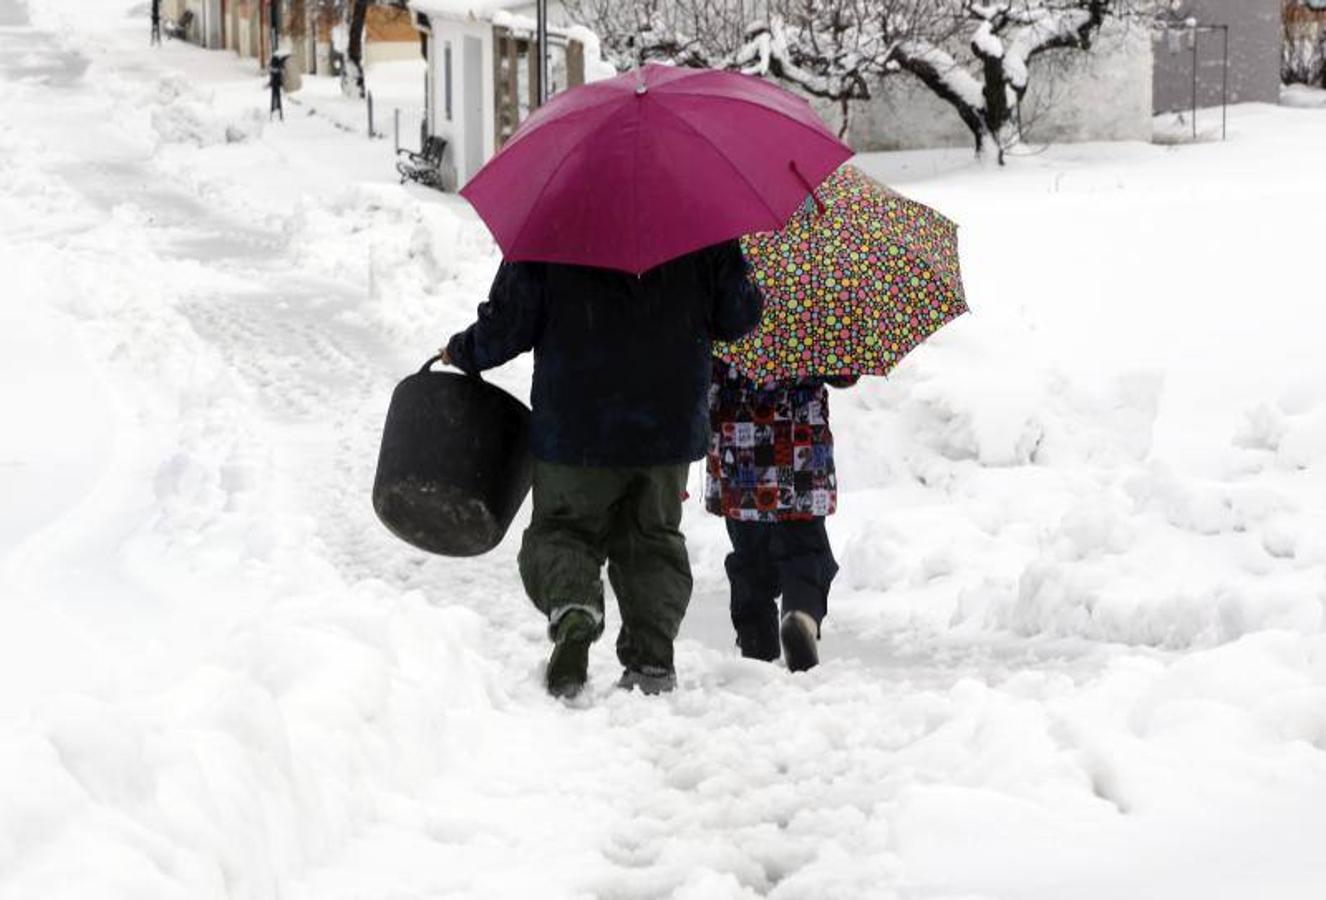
column 482, row 76
column 1256, row 46
column 245, row 26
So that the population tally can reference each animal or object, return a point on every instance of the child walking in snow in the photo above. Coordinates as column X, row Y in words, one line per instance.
column 771, row 477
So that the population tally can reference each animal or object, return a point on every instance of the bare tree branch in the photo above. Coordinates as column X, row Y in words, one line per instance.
column 973, row 54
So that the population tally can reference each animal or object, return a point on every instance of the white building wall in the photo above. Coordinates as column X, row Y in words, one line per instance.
column 390, row 51
column 470, row 121
column 489, row 96
column 208, row 28
column 438, row 122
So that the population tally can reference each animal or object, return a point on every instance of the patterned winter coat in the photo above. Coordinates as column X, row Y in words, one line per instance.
column 770, row 450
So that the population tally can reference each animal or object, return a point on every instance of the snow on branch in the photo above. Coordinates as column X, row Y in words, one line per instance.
column 942, row 73
column 831, row 49
column 1034, row 30
column 973, row 54
column 1004, row 38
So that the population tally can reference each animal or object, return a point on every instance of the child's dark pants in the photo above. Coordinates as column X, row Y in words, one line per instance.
column 768, row 559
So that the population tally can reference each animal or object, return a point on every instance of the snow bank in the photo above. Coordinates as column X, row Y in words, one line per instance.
column 218, row 707
column 1076, row 457
column 182, row 114
column 1302, row 96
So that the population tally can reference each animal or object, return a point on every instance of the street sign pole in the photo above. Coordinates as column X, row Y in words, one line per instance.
column 276, row 26
column 542, row 39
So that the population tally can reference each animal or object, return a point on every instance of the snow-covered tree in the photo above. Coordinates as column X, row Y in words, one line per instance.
column 831, row 49
column 976, row 56
column 839, row 49
column 1304, row 60
column 353, row 81
column 1003, row 39
column 352, row 77
column 683, row 32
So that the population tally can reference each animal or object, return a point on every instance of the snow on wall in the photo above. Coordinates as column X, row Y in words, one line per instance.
column 1104, row 95
column 466, row 10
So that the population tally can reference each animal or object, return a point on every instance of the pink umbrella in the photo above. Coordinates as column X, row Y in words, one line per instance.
column 636, row 170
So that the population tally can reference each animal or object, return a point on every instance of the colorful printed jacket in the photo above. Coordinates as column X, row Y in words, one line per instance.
column 770, row 450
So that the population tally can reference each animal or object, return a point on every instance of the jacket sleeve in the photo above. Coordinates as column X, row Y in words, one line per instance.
column 508, row 324
column 737, row 302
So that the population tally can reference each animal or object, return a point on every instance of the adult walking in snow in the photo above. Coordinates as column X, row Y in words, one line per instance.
column 616, row 206
column 621, row 371
column 277, row 76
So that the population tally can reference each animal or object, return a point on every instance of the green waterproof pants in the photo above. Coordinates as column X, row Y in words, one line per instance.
column 628, row 517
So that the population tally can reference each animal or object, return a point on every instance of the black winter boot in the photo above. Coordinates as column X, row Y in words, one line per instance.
column 759, row 640
column 568, row 667
column 800, row 638
column 649, row 679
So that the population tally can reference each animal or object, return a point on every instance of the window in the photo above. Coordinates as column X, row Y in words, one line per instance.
column 446, row 79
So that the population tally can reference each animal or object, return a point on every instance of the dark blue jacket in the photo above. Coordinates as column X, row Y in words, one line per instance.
column 621, row 362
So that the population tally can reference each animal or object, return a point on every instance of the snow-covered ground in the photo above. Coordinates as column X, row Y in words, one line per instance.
column 1077, row 647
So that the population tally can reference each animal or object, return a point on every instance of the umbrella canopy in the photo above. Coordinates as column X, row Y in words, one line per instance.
column 636, row 170
column 852, row 287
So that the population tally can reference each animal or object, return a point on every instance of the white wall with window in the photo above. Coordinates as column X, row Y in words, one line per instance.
column 460, row 106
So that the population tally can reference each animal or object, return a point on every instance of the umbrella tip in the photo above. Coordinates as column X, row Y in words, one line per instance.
column 640, row 86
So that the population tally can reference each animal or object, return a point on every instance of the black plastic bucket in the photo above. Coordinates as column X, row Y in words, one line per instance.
column 455, row 465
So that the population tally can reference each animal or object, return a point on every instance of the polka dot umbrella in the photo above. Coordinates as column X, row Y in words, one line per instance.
column 852, row 283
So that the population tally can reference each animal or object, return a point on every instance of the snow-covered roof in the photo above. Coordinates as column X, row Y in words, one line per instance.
column 472, row 10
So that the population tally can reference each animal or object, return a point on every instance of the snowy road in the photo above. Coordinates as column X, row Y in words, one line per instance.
column 1067, row 661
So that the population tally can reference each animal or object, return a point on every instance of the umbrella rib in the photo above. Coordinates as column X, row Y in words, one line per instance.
column 824, row 135
column 552, row 176
column 731, row 165
column 562, row 119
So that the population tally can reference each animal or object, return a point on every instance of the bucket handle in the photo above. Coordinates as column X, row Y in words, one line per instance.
column 436, row 358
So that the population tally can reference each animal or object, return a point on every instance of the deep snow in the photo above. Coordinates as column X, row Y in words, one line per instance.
column 1077, row 649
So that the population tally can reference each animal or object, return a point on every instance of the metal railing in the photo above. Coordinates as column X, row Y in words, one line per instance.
column 1195, row 32
column 405, row 122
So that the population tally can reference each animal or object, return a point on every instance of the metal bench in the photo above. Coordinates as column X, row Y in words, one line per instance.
column 179, row 30
column 425, row 166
